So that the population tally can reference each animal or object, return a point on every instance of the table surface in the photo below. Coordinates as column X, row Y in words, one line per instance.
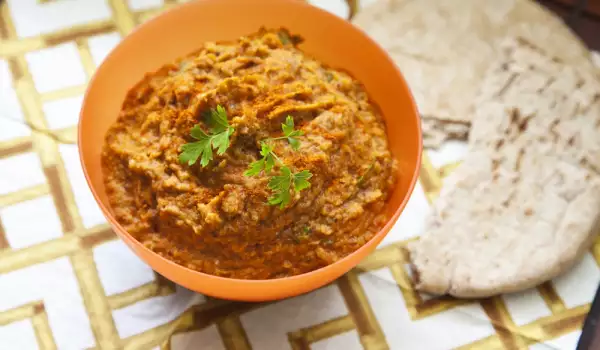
column 66, row 282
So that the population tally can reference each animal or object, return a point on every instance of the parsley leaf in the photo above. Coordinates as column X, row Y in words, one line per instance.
column 281, row 181
column 290, row 133
column 301, row 180
column 267, row 162
column 282, row 184
column 255, row 168
column 190, row 152
column 218, row 139
column 217, row 119
column 268, row 156
column 221, row 141
column 281, row 197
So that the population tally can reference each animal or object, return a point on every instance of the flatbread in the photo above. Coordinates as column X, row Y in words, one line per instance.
column 435, row 132
column 444, row 47
column 524, row 206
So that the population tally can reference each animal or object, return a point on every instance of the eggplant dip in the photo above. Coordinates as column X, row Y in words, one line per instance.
column 250, row 160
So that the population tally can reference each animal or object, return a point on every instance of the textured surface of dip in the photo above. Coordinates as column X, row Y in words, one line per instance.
column 216, row 220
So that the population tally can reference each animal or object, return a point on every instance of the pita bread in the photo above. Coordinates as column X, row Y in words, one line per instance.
column 524, row 206
column 435, row 133
column 444, row 47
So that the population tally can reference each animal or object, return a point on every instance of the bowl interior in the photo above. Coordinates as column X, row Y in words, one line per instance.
column 183, row 30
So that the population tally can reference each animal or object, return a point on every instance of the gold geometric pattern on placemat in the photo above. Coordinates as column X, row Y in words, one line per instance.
column 77, row 241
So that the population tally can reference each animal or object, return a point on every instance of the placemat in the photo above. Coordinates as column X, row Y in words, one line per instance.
column 66, row 281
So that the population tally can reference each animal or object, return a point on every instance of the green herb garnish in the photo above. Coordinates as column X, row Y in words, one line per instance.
column 281, row 185
column 361, row 179
column 218, row 139
column 290, row 133
column 267, row 162
column 286, row 38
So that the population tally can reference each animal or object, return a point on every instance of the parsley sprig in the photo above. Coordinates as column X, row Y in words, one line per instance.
column 281, row 185
column 290, row 133
column 218, row 139
column 266, row 163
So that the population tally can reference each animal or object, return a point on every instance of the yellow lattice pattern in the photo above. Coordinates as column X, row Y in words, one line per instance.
column 77, row 242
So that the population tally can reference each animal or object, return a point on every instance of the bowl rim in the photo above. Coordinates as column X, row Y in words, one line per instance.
column 237, row 282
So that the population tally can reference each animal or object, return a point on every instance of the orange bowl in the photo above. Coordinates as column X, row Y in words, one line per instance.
column 184, row 29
